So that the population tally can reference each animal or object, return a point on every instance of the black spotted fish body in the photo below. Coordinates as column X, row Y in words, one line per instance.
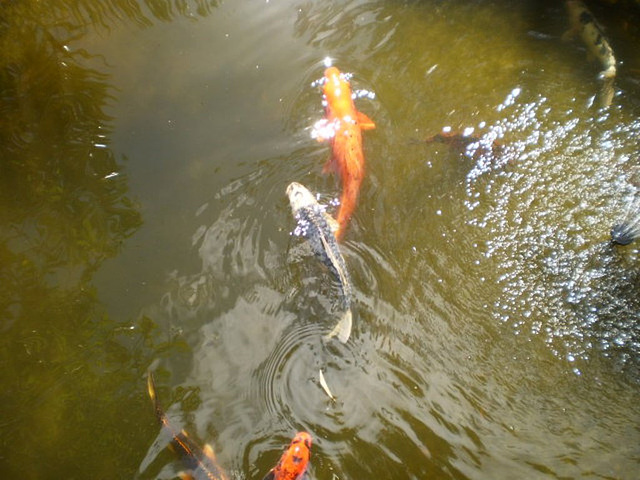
column 318, row 228
column 584, row 24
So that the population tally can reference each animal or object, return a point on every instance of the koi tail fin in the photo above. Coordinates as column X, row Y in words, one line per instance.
column 606, row 92
column 343, row 328
column 325, row 387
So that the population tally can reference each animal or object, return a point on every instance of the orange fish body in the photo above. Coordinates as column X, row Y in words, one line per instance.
column 293, row 463
column 345, row 124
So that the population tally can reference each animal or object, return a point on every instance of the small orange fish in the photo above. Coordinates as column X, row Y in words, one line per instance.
column 294, row 460
column 200, row 462
column 342, row 126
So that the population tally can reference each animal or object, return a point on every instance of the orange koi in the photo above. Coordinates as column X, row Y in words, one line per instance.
column 342, row 126
column 201, row 462
column 294, row 460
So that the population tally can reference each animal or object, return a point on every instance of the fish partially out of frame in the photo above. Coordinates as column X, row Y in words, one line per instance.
column 584, row 24
column 294, row 461
column 624, row 233
column 200, row 463
column 318, row 227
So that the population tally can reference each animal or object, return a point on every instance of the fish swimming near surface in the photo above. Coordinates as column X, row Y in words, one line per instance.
column 624, row 233
column 342, row 127
column 463, row 141
column 200, row 462
column 318, row 227
column 293, row 462
column 584, row 24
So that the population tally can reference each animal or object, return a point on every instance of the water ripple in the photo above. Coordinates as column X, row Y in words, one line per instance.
column 548, row 217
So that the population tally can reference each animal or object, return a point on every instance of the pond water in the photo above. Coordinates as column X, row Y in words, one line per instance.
column 146, row 148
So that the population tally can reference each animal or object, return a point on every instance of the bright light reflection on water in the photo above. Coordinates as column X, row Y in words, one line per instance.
column 559, row 187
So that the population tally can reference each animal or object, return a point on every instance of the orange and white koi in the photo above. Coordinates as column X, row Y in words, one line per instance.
column 342, row 127
column 200, row 462
column 293, row 462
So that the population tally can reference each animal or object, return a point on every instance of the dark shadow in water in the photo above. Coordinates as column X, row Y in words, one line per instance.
column 65, row 208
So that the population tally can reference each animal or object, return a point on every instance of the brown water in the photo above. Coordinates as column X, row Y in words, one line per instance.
column 146, row 148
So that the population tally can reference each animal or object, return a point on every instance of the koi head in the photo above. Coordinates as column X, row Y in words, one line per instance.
column 337, row 91
column 299, row 450
column 300, row 196
column 294, row 460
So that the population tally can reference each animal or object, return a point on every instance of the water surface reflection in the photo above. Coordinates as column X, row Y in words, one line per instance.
column 495, row 331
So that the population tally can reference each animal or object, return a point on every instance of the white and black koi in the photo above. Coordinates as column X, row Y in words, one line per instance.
column 584, row 24
column 319, row 228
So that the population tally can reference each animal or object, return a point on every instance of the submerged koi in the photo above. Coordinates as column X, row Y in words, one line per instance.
column 200, row 462
column 342, row 126
column 462, row 141
column 318, row 226
column 583, row 23
column 294, row 460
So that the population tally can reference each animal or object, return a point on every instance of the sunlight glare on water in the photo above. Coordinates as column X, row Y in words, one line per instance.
column 558, row 279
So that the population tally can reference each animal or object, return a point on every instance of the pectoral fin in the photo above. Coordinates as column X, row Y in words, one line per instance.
column 334, row 226
column 329, row 166
column 364, row 122
column 343, row 329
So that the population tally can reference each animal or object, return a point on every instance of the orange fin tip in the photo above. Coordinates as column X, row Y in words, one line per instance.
column 364, row 122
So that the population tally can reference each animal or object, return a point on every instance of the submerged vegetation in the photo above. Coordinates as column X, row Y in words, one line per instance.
column 64, row 209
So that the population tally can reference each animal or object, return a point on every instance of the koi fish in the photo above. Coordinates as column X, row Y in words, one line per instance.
column 294, row 460
column 201, row 462
column 624, row 233
column 583, row 23
column 342, row 126
column 318, row 227
column 462, row 142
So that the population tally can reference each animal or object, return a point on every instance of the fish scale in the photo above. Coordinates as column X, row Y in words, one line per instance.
column 318, row 233
column 316, row 226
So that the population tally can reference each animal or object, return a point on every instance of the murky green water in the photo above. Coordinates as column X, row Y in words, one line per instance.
column 146, row 148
